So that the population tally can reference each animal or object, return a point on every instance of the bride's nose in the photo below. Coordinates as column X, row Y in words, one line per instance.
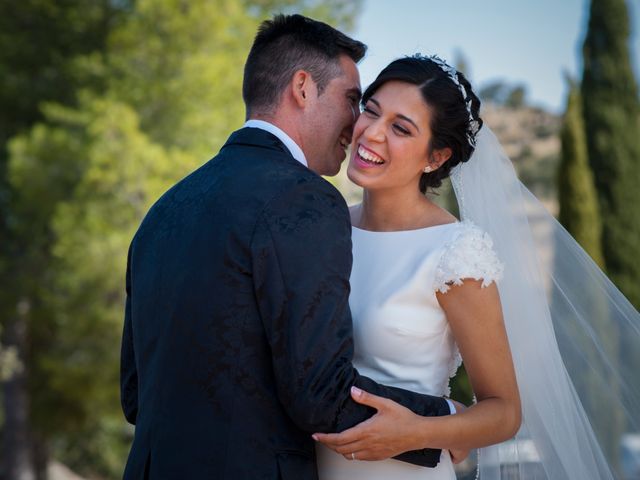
column 375, row 131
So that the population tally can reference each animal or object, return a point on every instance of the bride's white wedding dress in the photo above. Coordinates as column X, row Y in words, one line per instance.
column 402, row 337
column 554, row 314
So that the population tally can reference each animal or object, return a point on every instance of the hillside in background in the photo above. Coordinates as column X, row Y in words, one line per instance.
column 530, row 137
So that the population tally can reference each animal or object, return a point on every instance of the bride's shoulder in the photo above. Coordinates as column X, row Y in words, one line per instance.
column 463, row 235
column 466, row 231
column 469, row 252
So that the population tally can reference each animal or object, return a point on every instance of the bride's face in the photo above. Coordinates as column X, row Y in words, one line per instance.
column 391, row 138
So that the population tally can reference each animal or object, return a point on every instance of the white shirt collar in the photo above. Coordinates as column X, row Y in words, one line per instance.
column 293, row 147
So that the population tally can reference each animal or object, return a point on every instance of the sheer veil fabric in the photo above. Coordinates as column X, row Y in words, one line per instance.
column 568, row 326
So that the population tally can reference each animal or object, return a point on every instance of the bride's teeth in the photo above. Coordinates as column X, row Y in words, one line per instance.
column 370, row 157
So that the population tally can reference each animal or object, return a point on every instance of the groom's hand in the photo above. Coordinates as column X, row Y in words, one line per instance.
column 393, row 430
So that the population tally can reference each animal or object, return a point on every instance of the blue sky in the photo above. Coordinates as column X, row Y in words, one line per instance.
column 518, row 41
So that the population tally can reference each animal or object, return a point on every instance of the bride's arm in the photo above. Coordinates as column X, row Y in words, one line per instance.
column 475, row 316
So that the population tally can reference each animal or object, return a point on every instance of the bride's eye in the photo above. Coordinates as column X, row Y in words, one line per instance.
column 369, row 111
column 401, row 130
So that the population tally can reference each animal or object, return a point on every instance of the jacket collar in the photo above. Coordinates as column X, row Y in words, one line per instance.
column 256, row 137
column 291, row 145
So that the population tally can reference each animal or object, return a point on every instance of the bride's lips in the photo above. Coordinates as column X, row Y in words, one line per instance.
column 367, row 158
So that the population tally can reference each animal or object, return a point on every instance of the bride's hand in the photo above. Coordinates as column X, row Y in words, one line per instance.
column 386, row 434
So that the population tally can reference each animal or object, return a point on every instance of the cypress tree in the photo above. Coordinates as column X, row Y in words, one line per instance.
column 576, row 190
column 612, row 124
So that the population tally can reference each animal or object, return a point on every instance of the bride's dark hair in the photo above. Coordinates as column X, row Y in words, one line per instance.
column 450, row 123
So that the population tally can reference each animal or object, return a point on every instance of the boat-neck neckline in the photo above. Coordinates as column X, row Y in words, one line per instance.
column 422, row 229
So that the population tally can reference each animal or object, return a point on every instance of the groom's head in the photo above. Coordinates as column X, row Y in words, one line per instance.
column 301, row 75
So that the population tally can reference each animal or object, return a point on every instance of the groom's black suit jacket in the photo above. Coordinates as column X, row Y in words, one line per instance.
column 237, row 339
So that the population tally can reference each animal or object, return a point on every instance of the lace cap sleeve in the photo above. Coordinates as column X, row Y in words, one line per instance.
column 470, row 254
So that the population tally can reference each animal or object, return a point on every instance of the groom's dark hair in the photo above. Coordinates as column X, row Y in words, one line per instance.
column 288, row 43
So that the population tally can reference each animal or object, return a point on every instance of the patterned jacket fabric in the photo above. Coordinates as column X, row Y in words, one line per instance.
column 237, row 341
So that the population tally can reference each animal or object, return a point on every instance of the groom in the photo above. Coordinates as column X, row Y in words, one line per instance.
column 237, row 341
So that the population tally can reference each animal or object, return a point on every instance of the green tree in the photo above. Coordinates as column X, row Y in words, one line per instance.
column 46, row 50
column 41, row 171
column 577, row 196
column 612, row 122
column 517, row 97
column 162, row 98
column 123, row 173
column 185, row 79
column 40, row 45
column 494, row 92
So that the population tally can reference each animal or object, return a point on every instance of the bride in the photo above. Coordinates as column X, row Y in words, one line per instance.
column 429, row 290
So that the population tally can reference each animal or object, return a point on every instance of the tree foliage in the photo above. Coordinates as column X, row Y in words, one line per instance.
column 612, row 122
column 577, row 196
column 131, row 115
column 41, row 47
column 48, row 50
column 501, row 93
column 185, row 78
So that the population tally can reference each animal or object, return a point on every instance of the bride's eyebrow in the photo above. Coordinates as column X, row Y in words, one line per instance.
column 374, row 101
column 399, row 115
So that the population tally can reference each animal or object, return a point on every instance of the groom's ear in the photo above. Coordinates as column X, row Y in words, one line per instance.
column 303, row 87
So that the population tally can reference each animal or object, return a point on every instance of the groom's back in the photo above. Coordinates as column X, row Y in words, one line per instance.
column 206, row 404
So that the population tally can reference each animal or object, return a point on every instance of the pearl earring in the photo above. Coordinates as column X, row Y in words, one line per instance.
column 427, row 169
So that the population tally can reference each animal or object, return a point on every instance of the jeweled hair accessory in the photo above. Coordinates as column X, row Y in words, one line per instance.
column 452, row 73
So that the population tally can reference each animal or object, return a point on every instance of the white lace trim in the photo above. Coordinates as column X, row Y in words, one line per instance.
column 454, row 365
column 469, row 254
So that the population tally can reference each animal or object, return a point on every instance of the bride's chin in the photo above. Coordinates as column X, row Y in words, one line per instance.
column 353, row 175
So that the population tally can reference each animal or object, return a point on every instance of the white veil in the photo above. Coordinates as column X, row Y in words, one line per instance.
column 568, row 328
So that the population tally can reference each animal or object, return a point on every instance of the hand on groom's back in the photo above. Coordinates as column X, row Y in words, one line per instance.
column 393, row 430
